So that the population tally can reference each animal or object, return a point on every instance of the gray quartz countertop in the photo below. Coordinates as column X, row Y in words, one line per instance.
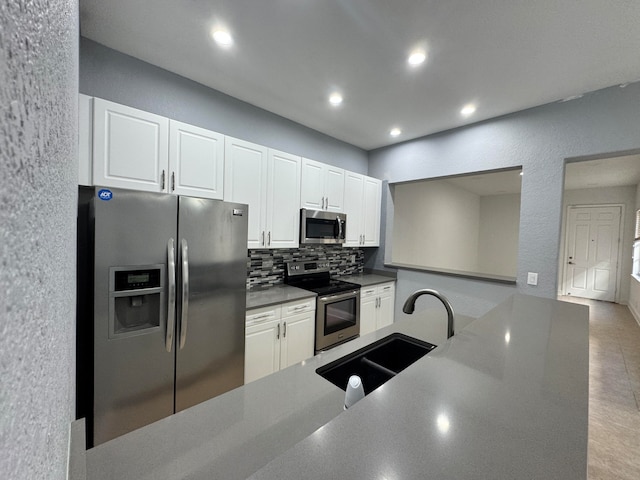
column 274, row 295
column 505, row 398
column 367, row 279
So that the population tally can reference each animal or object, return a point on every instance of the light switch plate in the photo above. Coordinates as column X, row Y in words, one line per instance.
column 532, row 278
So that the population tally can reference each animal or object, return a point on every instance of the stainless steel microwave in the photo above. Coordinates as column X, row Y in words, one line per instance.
column 317, row 226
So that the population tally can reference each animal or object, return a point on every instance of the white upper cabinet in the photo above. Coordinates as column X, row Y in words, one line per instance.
column 322, row 186
column 85, row 140
column 353, row 207
column 283, row 198
column 371, row 212
column 196, row 161
column 245, row 181
column 130, row 147
column 362, row 205
column 269, row 182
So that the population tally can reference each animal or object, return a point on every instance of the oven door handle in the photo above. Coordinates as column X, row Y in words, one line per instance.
column 331, row 298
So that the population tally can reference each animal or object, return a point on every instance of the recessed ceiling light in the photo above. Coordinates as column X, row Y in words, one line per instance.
column 394, row 132
column 416, row 57
column 335, row 99
column 468, row 110
column 222, row 37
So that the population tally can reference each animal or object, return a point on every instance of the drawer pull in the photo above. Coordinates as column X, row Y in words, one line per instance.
column 260, row 317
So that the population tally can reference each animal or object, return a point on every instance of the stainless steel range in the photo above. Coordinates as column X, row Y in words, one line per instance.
column 338, row 303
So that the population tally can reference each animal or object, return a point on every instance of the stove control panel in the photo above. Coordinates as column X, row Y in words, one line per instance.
column 303, row 267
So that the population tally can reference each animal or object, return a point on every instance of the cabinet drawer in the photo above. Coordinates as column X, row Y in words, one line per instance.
column 262, row 315
column 368, row 291
column 294, row 308
column 386, row 289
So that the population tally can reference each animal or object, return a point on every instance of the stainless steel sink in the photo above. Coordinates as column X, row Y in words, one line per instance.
column 376, row 363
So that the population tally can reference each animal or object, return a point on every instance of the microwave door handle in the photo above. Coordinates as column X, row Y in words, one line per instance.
column 339, row 226
column 185, row 294
column 171, row 297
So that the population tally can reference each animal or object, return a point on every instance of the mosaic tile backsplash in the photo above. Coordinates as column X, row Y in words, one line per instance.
column 266, row 267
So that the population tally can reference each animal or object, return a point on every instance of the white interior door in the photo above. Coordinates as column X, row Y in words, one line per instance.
column 592, row 252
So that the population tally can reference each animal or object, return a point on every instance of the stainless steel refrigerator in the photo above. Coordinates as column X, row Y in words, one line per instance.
column 161, row 305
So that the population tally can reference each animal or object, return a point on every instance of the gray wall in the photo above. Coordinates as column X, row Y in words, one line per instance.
column 38, row 203
column 111, row 75
column 539, row 140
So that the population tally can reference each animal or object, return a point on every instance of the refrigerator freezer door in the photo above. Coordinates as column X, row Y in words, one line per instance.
column 133, row 372
column 210, row 359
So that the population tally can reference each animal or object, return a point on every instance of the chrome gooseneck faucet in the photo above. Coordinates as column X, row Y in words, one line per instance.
column 410, row 305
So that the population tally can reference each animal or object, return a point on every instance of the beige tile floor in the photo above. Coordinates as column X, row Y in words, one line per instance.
column 614, row 391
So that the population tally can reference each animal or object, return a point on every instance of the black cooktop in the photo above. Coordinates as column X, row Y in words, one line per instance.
column 315, row 277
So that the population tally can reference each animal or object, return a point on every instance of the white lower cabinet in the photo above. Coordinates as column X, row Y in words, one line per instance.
column 376, row 307
column 278, row 336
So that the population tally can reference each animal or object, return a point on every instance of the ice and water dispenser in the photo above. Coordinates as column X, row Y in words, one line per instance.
column 136, row 297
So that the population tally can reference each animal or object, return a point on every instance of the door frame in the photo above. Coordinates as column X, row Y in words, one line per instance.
column 565, row 250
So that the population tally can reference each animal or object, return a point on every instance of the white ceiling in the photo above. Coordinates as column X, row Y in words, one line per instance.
column 503, row 55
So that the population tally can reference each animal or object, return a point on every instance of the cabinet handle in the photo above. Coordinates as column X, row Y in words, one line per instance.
column 263, row 238
column 327, row 204
column 173, row 181
column 278, row 333
column 269, row 239
column 322, row 204
column 260, row 317
column 364, row 239
column 162, row 181
column 284, row 330
column 300, row 307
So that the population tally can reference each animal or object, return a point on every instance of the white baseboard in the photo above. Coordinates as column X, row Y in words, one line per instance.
column 635, row 313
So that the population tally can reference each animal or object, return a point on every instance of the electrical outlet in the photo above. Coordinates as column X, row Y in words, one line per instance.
column 532, row 278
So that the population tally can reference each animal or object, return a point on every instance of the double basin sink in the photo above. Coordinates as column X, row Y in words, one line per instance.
column 376, row 363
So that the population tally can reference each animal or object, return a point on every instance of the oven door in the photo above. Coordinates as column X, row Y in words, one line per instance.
column 337, row 319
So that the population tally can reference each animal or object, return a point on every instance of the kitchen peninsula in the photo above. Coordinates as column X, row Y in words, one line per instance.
column 505, row 398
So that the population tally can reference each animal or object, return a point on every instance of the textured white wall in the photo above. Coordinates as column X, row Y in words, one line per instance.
column 38, row 174
column 539, row 140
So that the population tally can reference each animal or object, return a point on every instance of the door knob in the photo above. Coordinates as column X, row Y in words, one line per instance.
column 571, row 263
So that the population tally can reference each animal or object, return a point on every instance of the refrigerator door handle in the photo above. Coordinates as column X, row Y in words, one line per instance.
column 171, row 300
column 185, row 294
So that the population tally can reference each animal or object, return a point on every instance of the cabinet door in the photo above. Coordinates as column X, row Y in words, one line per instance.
column 283, row 200
column 196, row 161
column 245, row 181
column 130, row 147
column 312, row 191
column 386, row 294
column 85, row 140
column 334, row 189
column 262, row 350
column 371, row 212
column 353, row 195
column 368, row 314
column 298, row 338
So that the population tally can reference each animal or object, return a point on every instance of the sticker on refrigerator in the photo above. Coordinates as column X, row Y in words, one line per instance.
column 105, row 194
